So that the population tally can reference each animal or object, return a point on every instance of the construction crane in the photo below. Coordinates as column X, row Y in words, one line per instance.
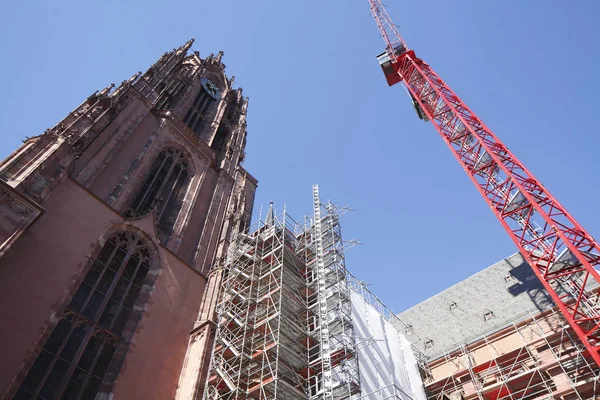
column 563, row 255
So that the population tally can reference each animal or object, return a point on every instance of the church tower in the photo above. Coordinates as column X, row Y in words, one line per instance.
column 114, row 225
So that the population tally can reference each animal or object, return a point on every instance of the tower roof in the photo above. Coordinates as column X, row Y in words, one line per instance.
column 270, row 219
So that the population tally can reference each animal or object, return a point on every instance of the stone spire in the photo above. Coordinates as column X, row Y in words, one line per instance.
column 106, row 90
column 134, row 77
column 186, row 46
column 270, row 219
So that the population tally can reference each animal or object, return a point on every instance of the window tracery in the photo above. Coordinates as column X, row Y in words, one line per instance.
column 195, row 116
column 74, row 359
column 163, row 189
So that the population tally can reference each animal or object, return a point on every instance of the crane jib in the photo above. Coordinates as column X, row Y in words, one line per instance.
column 562, row 254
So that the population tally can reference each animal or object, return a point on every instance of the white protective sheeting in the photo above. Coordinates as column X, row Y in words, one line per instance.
column 386, row 364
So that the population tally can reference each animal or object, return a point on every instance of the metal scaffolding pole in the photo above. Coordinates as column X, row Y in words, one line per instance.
column 324, row 327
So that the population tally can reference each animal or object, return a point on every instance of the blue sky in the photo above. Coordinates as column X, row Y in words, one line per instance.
column 321, row 112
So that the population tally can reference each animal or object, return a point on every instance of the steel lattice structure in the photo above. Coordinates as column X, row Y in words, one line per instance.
column 561, row 252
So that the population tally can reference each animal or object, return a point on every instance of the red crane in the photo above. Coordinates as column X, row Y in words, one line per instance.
column 563, row 255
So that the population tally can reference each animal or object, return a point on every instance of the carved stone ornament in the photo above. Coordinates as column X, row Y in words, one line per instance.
column 82, row 110
column 36, row 184
column 17, row 205
column 198, row 336
column 199, row 148
column 56, row 131
column 5, row 196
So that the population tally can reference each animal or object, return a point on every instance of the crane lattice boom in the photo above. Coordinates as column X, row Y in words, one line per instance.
column 563, row 255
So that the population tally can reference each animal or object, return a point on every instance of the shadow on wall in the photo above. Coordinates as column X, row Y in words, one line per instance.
column 527, row 282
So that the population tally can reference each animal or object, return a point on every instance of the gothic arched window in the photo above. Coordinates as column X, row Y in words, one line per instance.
column 163, row 188
column 231, row 112
column 197, row 111
column 168, row 94
column 219, row 142
column 72, row 363
column 209, row 92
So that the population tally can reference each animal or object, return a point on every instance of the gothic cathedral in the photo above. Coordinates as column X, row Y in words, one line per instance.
column 115, row 223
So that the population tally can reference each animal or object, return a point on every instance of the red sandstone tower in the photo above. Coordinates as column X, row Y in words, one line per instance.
column 114, row 223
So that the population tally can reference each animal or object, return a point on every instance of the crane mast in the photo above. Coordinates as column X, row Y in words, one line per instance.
column 563, row 255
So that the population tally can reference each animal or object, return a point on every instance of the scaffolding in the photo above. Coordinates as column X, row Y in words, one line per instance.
column 284, row 328
column 537, row 357
column 332, row 370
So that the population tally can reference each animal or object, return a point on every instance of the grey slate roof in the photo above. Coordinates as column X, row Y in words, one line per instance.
column 508, row 289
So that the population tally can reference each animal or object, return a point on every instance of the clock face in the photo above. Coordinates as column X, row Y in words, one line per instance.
column 210, row 88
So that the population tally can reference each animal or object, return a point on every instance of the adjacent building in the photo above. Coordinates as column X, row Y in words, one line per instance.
column 498, row 336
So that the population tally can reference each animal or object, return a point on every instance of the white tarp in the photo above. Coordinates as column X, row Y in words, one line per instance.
column 386, row 364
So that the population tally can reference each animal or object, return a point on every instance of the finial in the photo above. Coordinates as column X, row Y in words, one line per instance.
column 134, row 77
column 106, row 90
column 187, row 45
column 219, row 56
column 231, row 80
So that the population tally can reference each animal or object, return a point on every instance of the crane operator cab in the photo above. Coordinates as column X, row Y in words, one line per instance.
column 388, row 67
column 392, row 76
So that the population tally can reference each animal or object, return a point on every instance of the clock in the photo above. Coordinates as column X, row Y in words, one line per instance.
column 210, row 88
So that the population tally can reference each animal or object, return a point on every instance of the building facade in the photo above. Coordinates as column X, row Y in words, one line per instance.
column 498, row 336
column 114, row 225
